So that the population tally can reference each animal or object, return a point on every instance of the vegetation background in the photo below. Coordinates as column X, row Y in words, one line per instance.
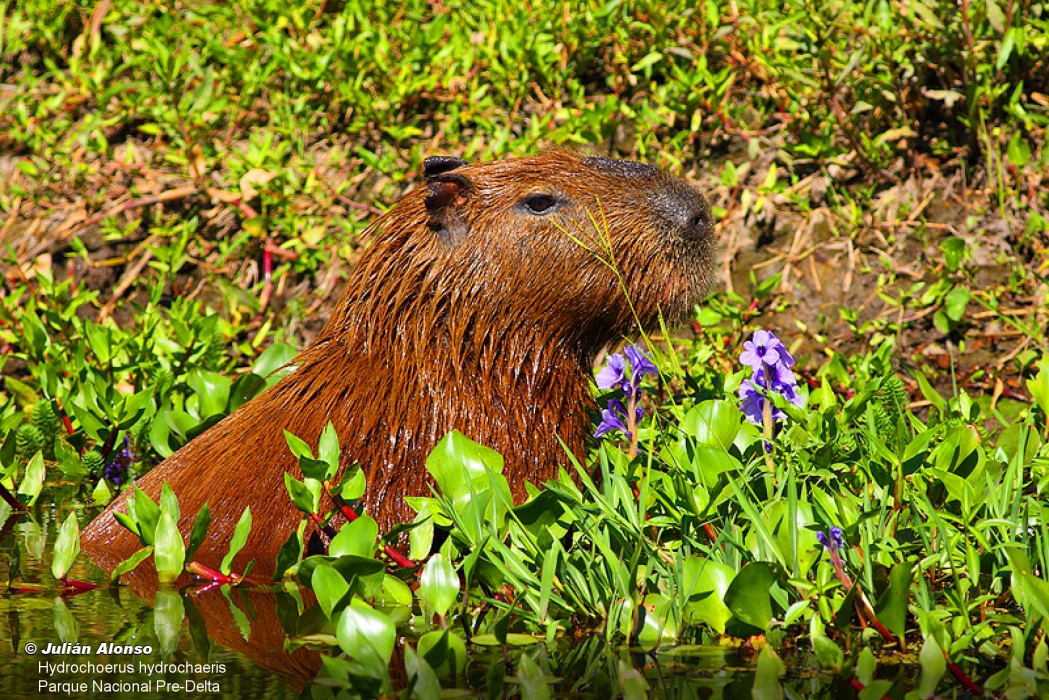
column 878, row 171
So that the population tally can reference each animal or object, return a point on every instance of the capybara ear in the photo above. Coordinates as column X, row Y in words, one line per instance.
column 448, row 194
column 435, row 165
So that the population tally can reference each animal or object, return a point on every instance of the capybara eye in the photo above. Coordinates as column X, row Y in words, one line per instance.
column 540, row 203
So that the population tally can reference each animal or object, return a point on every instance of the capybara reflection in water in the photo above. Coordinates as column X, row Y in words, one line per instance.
column 478, row 306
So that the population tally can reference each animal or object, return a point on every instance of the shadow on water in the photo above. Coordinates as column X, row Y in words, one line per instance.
column 222, row 642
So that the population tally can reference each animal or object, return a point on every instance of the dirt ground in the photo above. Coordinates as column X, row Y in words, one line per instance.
column 828, row 264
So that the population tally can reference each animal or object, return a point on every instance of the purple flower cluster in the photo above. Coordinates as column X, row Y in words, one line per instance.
column 117, row 470
column 834, row 542
column 614, row 375
column 771, row 363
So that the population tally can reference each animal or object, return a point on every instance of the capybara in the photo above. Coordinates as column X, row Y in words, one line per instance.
column 479, row 306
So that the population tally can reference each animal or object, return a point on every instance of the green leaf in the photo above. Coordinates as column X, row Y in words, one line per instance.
column 65, row 624
column 369, row 572
column 866, row 665
column 67, row 547
column 955, row 303
column 933, row 666
column 749, row 595
column 168, row 614
column 146, row 513
column 33, row 479
column 367, row 635
column 891, row 607
column 439, row 585
column 930, row 394
column 769, row 670
column 444, row 651
column 358, row 537
column 713, row 424
column 198, row 630
column 199, row 531
column 421, row 677
column 1039, row 386
column 533, row 683
column 1012, row 37
column 273, row 359
column 329, row 586
column 68, row 460
column 298, row 446
column 169, row 553
column 240, row 537
column 304, row 499
column 290, row 552
column 101, row 495
column 704, row 583
column 827, row 652
column 953, row 249
column 328, row 449
column 1028, row 590
column 995, row 16
column 212, row 390
column 169, row 502
column 1018, row 151
column 458, row 463
column 243, row 389
column 129, row 523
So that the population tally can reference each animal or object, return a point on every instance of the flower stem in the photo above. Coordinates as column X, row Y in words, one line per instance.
column 631, row 419
column 767, row 424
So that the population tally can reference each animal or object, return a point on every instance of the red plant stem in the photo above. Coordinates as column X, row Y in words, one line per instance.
column 351, row 515
column 74, row 585
column 280, row 252
column 267, row 262
column 858, row 686
column 712, row 534
column 65, row 419
column 863, row 605
column 9, row 499
column 324, row 527
column 206, row 572
column 959, row 674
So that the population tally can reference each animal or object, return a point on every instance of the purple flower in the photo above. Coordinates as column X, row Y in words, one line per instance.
column 117, row 470
column 834, row 542
column 613, row 374
column 763, row 349
column 639, row 363
column 770, row 362
column 752, row 403
column 612, row 418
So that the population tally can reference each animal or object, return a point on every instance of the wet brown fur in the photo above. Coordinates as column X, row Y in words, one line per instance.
column 475, row 315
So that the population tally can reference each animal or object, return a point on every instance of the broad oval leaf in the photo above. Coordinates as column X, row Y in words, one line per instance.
column 439, row 584
column 358, row 537
column 67, row 546
column 713, row 423
column 169, row 553
column 749, row 595
column 366, row 634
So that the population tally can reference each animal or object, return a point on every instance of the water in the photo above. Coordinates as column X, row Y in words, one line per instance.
column 201, row 641
column 39, row 614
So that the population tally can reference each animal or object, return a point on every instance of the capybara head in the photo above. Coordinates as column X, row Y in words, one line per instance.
column 478, row 305
column 584, row 247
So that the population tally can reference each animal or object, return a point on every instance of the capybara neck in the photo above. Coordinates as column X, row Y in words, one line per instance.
column 478, row 305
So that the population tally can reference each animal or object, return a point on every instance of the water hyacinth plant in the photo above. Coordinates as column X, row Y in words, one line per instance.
column 624, row 371
column 770, row 362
